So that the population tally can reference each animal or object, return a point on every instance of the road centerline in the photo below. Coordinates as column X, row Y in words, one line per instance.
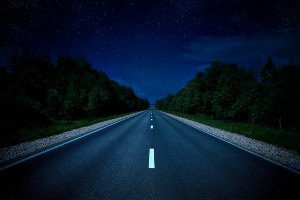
column 151, row 159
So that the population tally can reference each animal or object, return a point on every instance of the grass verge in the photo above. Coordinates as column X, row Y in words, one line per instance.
column 280, row 137
column 36, row 132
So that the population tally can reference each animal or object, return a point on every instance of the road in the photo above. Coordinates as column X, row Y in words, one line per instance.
column 141, row 158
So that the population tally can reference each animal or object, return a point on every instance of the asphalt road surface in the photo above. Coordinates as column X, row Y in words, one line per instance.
column 141, row 158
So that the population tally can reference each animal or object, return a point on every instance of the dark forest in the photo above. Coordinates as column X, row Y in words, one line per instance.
column 36, row 91
column 229, row 92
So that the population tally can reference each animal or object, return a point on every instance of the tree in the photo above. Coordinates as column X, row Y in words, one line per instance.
column 36, row 91
column 227, row 91
column 98, row 101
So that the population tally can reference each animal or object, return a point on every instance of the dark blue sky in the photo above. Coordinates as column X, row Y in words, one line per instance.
column 153, row 46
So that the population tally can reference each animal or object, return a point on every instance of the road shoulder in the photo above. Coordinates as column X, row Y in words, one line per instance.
column 278, row 155
column 19, row 150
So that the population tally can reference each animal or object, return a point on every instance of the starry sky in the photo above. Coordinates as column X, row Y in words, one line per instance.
column 153, row 46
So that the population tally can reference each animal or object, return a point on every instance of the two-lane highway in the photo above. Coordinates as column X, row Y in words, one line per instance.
column 149, row 156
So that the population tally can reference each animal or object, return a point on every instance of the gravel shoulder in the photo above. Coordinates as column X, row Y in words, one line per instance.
column 275, row 153
column 18, row 150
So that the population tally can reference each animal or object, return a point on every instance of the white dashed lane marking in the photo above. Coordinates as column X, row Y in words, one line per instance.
column 151, row 159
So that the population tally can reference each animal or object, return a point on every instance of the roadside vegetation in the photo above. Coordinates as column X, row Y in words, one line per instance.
column 39, row 97
column 40, row 131
column 281, row 137
column 229, row 97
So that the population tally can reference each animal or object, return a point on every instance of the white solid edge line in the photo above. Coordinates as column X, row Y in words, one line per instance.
column 57, row 146
column 241, row 147
column 151, row 159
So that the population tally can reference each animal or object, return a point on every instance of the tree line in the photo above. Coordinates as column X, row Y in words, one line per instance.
column 35, row 90
column 229, row 92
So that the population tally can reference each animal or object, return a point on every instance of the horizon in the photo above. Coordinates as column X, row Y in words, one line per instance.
column 155, row 47
column 149, row 99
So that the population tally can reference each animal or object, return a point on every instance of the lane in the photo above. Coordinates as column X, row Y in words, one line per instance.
column 131, row 160
column 207, row 168
column 108, row 165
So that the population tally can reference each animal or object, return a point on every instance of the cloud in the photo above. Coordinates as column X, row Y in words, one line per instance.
column 280, row 45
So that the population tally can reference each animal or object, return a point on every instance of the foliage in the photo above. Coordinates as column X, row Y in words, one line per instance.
column 229, row 92
column 36, row 91
column 39, row 131
column 281, row 137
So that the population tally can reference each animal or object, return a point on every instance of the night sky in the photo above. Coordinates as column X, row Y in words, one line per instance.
column 153, row 46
